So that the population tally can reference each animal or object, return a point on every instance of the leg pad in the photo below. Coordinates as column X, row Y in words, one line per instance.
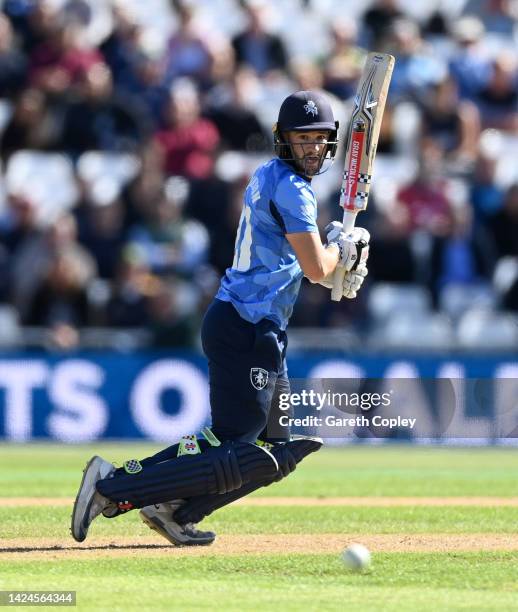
column 217, row 470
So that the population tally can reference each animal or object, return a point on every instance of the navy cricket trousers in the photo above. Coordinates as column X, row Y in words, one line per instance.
column 247, row 373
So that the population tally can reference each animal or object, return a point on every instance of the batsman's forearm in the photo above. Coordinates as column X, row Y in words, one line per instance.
column 315, row 260
column 332, row 254
column 329, row 257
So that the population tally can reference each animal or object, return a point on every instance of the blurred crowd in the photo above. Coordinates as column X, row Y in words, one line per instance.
column 129, row 130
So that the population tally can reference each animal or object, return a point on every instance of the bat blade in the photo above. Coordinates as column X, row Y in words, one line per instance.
column 362, row 142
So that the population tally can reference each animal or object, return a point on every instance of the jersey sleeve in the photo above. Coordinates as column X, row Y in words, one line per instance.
column 295, row 203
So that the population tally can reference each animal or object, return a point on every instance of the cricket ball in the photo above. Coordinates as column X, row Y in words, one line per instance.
column 356, row 557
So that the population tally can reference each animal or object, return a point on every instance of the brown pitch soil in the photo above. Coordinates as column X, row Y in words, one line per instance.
column 9, row 502
column 151, row 546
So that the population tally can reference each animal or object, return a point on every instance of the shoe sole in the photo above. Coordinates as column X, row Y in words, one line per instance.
column 81, row 508
column 156, row 525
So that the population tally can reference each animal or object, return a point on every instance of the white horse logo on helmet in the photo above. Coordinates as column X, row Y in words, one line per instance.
column 311, row 108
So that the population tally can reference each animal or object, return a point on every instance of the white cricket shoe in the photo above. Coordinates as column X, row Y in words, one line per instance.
column 89, row 503
column 159, row 517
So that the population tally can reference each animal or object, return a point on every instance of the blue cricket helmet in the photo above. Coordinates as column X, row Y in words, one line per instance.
column 305, row 111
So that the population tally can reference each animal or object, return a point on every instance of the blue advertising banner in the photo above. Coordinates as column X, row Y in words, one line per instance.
column 161, row 396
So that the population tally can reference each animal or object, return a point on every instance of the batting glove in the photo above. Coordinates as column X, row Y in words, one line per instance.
column 352, row 281
column 353, row 247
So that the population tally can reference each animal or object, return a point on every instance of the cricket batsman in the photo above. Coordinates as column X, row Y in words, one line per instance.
column 244, row 339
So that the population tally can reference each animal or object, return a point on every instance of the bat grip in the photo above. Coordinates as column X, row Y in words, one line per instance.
column 338, row 277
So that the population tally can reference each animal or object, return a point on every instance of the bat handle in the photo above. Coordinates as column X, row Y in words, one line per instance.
column 338, row 277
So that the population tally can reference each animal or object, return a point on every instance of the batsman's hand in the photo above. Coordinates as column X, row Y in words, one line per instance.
column 352, row 281
column 353, row 247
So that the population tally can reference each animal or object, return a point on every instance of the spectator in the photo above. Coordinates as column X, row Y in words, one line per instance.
column 17, row 225
column 34, row 21
column 307, row 74
column 388, row 136
column 451, row 123
column 469, row 65
column 224, row 231
column 79, row 12
column 101, row 119
column 189, row 52
column 171, row 324
column 171, row 243
column 486, row 195
column 41, row 251
column 217, row 204
column 238, row 125
column 187, row 140
column 140, row 195
column 343, row 65
column 13, row 64
column 61, row 60
column 416, row 68
column 31, row 126
column 504, row 229
column 391, row 257
column 123, row 53
column 435, row 28
column 504, row 225
column 498, row 100
column 61, row 296
column 378, row 20
column 135, row 72
column 463, row 255
column 498, row 16
column 255, row 46
column 132, row 289
column 223, row 64
column 425, row 201
column 148, row 88
column 101, row 231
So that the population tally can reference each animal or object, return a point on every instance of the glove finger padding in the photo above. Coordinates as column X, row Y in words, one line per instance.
column 360, row 234
column 354, row 280
column 361, row 238
column 333, row 230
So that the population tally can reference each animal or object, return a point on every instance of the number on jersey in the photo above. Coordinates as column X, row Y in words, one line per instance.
column 243, row 248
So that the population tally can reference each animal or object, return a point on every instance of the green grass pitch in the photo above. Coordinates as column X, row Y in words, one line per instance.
column 162, row 579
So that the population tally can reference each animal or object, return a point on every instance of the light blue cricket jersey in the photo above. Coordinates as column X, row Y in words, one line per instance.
column 265, row 276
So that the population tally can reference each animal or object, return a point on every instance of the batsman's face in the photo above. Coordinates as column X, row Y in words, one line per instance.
column 308, row 149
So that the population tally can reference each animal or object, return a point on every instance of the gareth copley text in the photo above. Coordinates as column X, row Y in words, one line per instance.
column 357, row 421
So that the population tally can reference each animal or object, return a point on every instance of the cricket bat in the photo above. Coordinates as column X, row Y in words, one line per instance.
column 362, row 141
